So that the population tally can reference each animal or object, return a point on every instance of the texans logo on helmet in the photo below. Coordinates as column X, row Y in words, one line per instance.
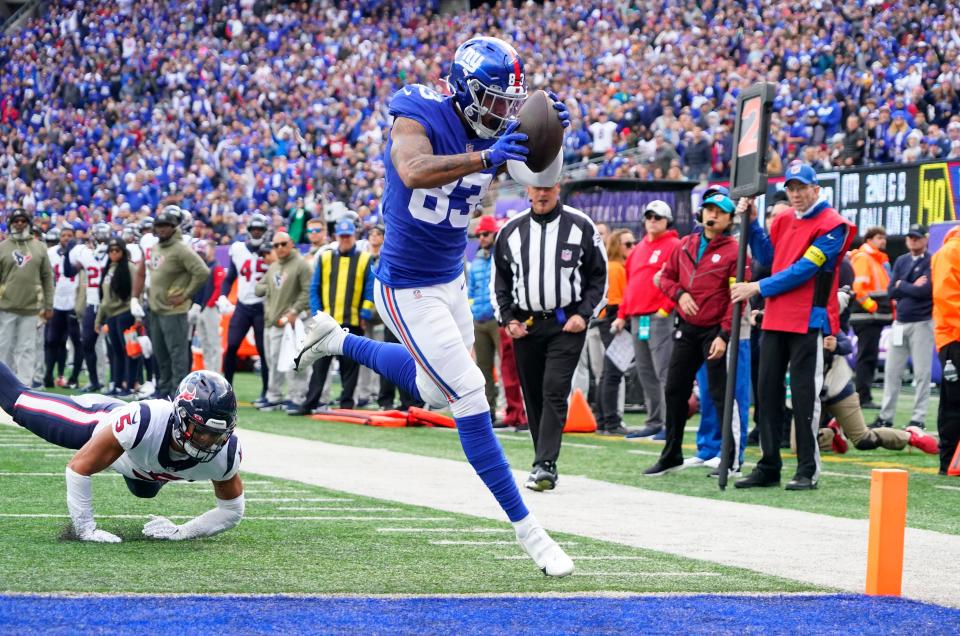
column 21, row 259
column 189, row 393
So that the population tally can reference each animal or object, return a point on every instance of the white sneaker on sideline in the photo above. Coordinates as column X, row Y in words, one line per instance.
column 692, row 462
column 146, row 390
column 325, row 338
column 549, row 557
column 713, row 462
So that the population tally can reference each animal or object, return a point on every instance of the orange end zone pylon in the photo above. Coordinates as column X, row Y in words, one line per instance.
column 888, row 520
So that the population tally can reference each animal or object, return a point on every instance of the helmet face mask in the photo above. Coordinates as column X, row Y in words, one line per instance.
column 205, row 414
column 102, row 233
column 258, row 223
column 487, row 83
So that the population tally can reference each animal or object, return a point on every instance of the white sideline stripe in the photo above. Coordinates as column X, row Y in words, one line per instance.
column 649, row 574
column 455, row 542
column 46, row 515
column 780, row 540
column 24, row 445
column 60, row 474
column 643, row 452
column 512, row 438
column 451, row 530
column 621, row 557
column 48, row 449
column 578, row 445
column 260, row 482
column 296, row 499
column 337, row 509
column 947, row 487
column 274, row 491
column 830, row 473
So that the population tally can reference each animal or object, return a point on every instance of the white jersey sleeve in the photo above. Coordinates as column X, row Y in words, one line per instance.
column 126, row 425
column 147, row 243
column 136, row 254
column 81, row 256
column 250, row 269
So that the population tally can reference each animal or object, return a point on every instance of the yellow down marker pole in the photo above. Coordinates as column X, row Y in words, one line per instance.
column 888, row 519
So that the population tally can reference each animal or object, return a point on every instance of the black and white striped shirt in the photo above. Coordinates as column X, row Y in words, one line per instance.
column 547, row 262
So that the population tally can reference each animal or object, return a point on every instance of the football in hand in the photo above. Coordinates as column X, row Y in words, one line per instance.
column 539, row 121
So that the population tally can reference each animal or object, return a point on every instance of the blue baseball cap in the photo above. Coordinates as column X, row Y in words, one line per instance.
column 803, row 173
column 345, row 226
column 721, row 201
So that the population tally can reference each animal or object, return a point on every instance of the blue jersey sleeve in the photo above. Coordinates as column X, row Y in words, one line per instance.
column 803, row 269
column 415, row 102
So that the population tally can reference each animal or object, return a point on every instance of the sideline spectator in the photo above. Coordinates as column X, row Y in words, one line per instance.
column 204, row 315
column 871, row 268
column 619, row 246
column 485, row 330
column 804, row 249
column 26, row 293
column 116, row 287
column 945, row 274
column 650, row 312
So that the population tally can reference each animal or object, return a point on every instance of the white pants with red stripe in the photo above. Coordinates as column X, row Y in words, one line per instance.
column 436, row 327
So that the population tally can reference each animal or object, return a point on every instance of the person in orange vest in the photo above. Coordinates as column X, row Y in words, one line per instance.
column 871, row 269
column 804, row 248
column 945, row 272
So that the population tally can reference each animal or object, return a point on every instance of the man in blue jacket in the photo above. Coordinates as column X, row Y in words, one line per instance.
column 912, row 333
column 485, row 329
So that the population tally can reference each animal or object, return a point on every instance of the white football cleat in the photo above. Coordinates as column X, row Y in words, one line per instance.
column 325, row 338
column 549, row 557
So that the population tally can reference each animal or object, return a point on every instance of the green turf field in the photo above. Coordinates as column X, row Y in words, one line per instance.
column 300, row 539
column 843, row 492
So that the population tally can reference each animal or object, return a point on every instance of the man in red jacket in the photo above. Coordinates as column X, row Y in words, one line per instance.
column 650, row 312
column 698, row 277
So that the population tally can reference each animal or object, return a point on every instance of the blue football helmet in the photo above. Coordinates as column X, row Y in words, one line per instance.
column 205, row 411
column 487, row 83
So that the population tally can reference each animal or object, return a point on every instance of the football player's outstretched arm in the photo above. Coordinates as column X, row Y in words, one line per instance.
column 412, row 155
column 96, row 455
column 227, row 514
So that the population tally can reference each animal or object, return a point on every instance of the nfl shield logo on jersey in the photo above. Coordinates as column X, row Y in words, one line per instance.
column 565, row 255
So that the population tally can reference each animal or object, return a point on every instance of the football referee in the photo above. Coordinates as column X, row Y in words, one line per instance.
column 550, row 279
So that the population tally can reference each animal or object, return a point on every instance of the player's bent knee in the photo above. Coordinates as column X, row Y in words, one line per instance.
column 870, row 441
column 431, row 395
column 472, row 396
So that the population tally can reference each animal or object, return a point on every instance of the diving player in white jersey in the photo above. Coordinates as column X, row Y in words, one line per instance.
column 441, row 156
column 150, row 443
column 247, row 267
column 93, row 260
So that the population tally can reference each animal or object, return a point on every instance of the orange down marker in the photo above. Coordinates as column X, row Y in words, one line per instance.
column 888, row 519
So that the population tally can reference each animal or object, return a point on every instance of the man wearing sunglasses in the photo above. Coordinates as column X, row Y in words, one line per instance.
column 650, row 312
column 285, row 289
column 24, row 266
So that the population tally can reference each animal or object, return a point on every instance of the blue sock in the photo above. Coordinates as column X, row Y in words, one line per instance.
column 386, row 358
column 483, row 450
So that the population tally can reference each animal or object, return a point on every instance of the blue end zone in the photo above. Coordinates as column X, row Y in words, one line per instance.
column 845, row 614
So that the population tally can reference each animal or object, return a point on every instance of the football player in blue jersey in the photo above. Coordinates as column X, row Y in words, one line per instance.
column 441, row 156
column 150, row 443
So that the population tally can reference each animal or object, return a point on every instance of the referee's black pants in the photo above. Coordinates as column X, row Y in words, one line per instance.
column 546, row 359
column 803, row 352
column 691, row 346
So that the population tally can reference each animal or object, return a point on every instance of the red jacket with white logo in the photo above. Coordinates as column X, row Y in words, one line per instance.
column 708, row 280
column 641, row 296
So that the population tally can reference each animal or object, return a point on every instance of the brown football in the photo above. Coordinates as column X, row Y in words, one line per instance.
column 539, row 121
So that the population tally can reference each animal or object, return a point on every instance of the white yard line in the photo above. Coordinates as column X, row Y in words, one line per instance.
column 647, row 574
column 496, row 542
column 643, row 452
column 578, row 445
column 774, row 541
column 622, row 557
column 59, row 474
column 830, row 473
column 46, row 515
column 450, row 531
column 296, row 499
column 947, row 487
column 338, row 509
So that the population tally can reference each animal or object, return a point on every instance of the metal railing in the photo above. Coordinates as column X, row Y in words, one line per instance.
column 26, row 11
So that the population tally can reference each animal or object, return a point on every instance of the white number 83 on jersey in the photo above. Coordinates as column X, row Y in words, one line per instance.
column 433, row 205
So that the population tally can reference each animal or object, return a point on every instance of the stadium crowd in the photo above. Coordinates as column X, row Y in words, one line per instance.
column 109, row 108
